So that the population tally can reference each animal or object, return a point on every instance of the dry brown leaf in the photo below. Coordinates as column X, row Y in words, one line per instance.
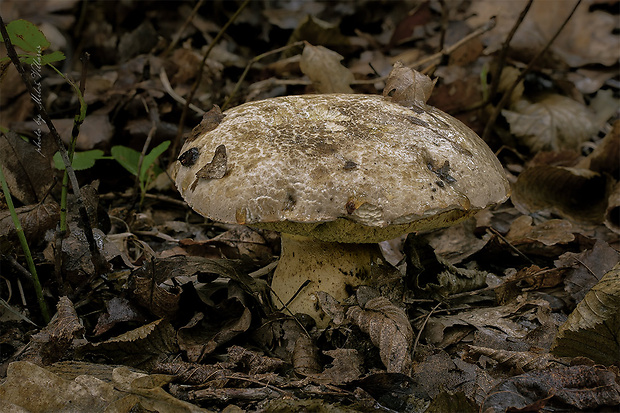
column 408, row 87
column 27, row 168
column 323, row 67
column 593, row 328
column 521, row 360
column 140, row 347
column 550, row 232
column 35, row 220
column 389, row 329
column 305, row 357
column 589, row 36
column 582, row 387
column 577, row 194
column 252, row 362
column 346, row 366
column 552, row 122
column 587, row 267
column 54, row 341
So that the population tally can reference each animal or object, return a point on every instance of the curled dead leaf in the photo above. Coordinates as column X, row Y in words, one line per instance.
column 389, row 329
column 521, row 360
column 407, row 87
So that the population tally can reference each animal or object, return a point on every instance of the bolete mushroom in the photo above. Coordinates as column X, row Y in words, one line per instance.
column 335, row 174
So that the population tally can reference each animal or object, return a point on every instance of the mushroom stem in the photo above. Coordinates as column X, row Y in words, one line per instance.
column 332, row 267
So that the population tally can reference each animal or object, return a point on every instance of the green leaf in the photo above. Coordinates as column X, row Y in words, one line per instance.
column 44, row 60
column 81, row 160
column 129, row 158
column 27, row 36
column 152, row 157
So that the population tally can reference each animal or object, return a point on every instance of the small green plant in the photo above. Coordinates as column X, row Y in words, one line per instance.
column 127, row 157
column 130, row 159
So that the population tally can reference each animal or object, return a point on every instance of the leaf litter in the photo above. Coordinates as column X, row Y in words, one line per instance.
column 513, row 309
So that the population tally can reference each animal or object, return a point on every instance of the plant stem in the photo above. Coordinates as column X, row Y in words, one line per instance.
column 24, row 243
column 97, row 258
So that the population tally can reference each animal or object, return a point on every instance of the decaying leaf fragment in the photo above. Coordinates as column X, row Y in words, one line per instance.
column 216, row 169
column 54, row 341
column 141, row 347
column 389, row 329
column 521, row 360
column 593, row 328
column 408, row 87
column 209, row 122
column 35, row 221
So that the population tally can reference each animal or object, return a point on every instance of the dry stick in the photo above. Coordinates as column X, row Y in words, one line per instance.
column 179, row 33
column 96, row 257
column 177, row 140
column 444, row 24
column 448, row 50
column 501, row 58
column 508, row 93
column 512, row 247
column 417, row 338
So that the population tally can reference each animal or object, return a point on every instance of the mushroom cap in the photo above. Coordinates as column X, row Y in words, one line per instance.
column 339, row 167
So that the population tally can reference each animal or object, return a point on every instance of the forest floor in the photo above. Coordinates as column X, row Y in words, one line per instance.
column 151, row 307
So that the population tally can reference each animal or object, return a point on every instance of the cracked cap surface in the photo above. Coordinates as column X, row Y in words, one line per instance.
column 340, row 167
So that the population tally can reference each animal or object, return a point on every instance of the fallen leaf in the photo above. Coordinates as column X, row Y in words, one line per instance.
column 520, row 360
column 551, row 122
column 305, row 357
column 141, row 347
column 587, row 268
column 577, row 194
column 389, row 329
column 26, row 166
column 35, row 220
column 323, row 67
column 56, row 339
column 408, row 87
column 593, row 328
column 581, row 387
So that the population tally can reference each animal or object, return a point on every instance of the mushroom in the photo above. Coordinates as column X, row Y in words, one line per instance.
column 335, row 174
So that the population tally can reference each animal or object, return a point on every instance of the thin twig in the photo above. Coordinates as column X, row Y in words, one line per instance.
column 179, row 33
column 417, row 338
column 163, row 77
column 508, row 93
column 435, row 59
column 512, row 247
column 177, row 140
column 501, row 58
